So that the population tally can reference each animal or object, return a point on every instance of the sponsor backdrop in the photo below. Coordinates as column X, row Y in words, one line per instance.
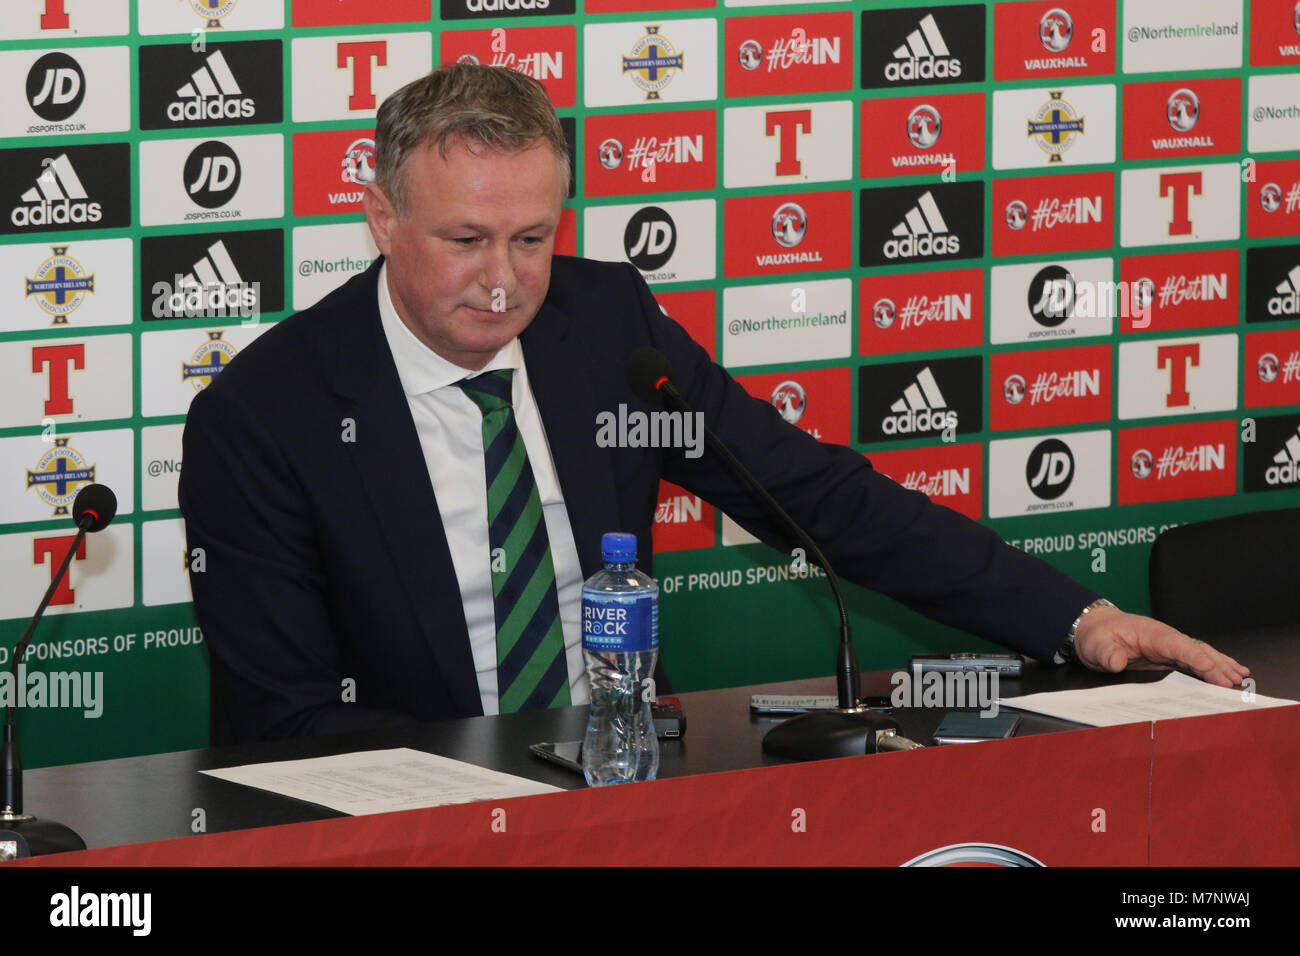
column 1038, row 260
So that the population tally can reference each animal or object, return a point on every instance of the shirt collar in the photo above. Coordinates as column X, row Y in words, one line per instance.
column 420, row 369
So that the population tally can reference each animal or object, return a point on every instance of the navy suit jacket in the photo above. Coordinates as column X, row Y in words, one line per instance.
column 325, row 560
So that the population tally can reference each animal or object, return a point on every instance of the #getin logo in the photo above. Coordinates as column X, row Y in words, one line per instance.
column 208, row 361
column 1054, row 127
column 653, row 63
column 212, row 11
column 58, row 474
column 60, row 285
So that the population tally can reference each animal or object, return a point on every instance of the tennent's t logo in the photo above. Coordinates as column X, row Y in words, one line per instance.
column 1178, row 358
column 57, row 359
column 787, row 125
column 1181, row 187
column 55, row 16
column 359, row 54
column 53, row 549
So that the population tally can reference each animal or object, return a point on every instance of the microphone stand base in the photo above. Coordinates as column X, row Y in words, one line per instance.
column 31, row 836
column 823, row 734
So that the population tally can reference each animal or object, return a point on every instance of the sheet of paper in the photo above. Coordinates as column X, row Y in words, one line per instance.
column 1178, row 695
column 380, row 781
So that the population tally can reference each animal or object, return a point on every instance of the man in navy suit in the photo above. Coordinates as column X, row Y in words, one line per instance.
column 340, row 473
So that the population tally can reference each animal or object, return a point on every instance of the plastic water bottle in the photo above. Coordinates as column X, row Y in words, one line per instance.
column 620, row 641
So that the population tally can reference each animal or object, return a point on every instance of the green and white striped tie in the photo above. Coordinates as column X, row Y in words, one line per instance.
column 532, row 673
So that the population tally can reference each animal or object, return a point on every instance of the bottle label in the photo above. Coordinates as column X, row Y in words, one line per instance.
column 616, row 625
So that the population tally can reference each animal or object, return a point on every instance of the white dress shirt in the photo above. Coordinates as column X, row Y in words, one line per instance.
column 449, row 426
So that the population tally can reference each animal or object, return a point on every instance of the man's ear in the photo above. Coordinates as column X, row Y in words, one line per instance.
column 381, row 217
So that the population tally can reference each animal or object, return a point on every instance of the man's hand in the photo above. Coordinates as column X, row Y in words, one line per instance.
column 1108, row 639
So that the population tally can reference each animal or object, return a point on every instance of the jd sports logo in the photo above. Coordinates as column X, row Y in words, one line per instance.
column 212, row 93
column 56, row 87
column 212, row 174
column 1051, row 296
column 905, row 224
column 650, row 238
column 908, row 47
column 1050, row 469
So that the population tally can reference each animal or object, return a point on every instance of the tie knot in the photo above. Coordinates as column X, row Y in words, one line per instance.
column 489, row 391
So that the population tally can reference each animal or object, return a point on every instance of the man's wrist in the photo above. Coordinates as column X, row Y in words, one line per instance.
column 1065, row 653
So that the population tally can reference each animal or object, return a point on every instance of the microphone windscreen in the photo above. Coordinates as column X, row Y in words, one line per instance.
column 646, row 368
column 100, row 501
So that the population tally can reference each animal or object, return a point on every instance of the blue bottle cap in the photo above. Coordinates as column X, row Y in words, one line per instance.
column 618, row 548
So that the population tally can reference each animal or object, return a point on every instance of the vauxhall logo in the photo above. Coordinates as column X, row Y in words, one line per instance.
column 56, row 87
column 212, row 93
column 650, row 238
column 1050, row 469
column 212, row 174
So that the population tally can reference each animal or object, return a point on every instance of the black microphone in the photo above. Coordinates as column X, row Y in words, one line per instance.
column 96, row 502
column 21, row 834
column 850, row 729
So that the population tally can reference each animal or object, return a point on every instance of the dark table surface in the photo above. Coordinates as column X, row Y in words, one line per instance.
column 137, row 799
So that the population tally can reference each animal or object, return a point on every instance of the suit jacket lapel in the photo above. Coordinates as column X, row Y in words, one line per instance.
column 568, row 408
column 388, row 456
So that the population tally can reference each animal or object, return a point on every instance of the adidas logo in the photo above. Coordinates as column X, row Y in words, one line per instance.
column 213, row 288
column 1287, row 469
column 924, row 56
column 57, row 198
column 213, row 93
column 921, row 409
column 1287, row 300
column 922, row 233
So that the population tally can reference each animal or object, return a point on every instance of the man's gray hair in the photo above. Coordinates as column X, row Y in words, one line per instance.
column 498, row 107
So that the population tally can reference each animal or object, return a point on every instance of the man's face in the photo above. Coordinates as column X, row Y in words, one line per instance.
column 470, row 261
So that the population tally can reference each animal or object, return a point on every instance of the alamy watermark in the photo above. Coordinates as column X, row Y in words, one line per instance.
column 948, row 689
column 54, row 689
column 638, row 429
column 187, row 298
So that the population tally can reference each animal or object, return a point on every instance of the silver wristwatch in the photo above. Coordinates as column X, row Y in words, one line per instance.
column 1065, row 653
